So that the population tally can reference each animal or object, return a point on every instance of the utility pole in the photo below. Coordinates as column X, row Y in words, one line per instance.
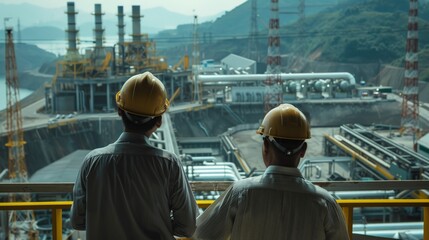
column 410, row 93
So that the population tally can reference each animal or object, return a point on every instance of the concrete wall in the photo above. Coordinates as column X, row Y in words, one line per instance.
column 322, row 114
column 46, row 145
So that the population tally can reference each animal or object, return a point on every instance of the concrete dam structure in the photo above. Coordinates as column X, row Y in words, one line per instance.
column 48, row 143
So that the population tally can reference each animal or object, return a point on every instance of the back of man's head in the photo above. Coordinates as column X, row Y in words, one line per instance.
column 141, row 101
column 286, row 127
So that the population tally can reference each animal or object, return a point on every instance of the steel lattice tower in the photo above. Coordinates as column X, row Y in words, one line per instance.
column 410, row 94
column 273, row 84
column 17, row 168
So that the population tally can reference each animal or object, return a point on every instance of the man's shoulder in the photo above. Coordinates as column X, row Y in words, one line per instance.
column 113, row 148
column 306, row 188
column 98, row 151
column 247, row 183
column 166, row 154
column 321, row 192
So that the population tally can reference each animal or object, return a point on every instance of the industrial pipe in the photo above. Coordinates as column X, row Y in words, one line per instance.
column 282, row 76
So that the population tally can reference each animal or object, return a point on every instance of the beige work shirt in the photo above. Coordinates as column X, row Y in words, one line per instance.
column 280, row 204
column 132, row 190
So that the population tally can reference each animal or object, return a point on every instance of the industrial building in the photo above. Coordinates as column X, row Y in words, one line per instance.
column 211, row 123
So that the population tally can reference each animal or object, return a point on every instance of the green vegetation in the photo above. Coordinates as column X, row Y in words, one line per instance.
column 356, row 32
column 28, row 57
column 342, row 37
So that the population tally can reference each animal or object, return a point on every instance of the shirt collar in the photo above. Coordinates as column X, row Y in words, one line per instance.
column 274, row 169
column 133, row 137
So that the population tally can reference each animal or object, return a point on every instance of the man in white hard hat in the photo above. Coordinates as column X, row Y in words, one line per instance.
column 131, row 189
column 280, row 204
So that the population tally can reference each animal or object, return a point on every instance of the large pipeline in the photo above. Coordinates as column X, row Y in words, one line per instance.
column 283, row 76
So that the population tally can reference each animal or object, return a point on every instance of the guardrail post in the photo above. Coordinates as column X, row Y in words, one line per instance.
column 425, row 223
column 348, row 216
column 57, row 223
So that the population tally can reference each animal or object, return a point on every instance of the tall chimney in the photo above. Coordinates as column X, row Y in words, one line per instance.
column 121, row 25
column 71, row 29
column 98, row 30
column 136, row 23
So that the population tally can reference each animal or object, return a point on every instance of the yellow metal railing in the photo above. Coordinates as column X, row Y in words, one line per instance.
column 347, row 206
column 56, row 207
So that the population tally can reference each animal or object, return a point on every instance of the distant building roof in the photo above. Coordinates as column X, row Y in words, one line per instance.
column 63, row 170
column 236, row 61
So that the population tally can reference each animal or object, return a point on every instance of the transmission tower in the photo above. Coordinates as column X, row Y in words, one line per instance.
column 273, row 85
column 17, row 168
column 195, row 59
column 253, row 36
column 410, row 93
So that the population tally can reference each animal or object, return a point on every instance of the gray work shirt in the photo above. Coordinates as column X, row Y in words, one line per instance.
column 132, row 190
column 280, row 204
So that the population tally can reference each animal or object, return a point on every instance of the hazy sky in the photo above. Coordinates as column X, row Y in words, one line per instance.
column 201, row 7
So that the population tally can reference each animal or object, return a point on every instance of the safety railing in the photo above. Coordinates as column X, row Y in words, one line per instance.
column 347, row 205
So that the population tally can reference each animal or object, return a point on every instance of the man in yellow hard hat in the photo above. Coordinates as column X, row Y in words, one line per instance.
column 280, row 204
column 131, row 189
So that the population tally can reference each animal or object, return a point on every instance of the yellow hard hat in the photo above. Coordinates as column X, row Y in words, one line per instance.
column 285, row 121
column 143, row 95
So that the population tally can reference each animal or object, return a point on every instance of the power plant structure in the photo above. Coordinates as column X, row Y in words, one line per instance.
column 88, row 82
column 212, row 105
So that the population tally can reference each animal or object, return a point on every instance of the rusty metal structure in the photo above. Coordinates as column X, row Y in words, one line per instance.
column 410, row 93
column 273, row 83
column 17, row 168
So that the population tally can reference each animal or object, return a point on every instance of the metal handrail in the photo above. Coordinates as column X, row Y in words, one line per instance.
column 67, row 187
column 346, row 205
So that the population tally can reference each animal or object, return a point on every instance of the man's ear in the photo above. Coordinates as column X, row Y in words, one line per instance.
column 159, row 122
column 266, row 145
column 266, row 152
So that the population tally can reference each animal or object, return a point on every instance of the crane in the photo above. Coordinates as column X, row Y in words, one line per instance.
column 17, row 168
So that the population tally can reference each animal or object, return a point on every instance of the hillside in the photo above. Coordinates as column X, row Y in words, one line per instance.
column 363, row 37
column 358, row 36
column 237, row 22
column 367, row 35
column 33, row 16
column 28, row 57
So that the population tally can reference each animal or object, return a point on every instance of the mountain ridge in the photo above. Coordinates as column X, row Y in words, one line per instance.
column 31, row 15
